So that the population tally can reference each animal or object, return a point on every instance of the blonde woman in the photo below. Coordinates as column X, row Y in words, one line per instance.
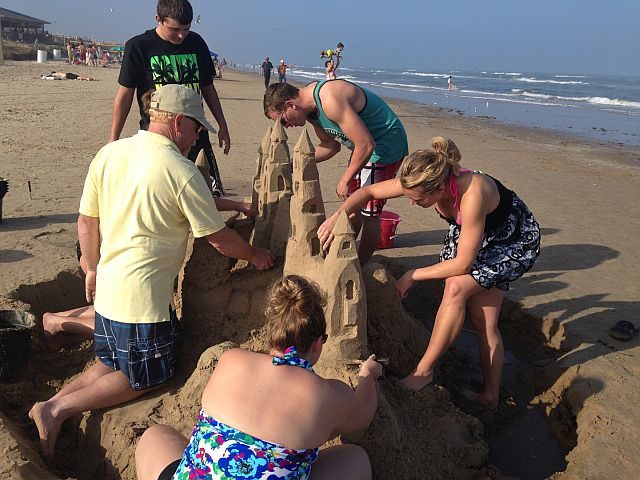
column 500, row 241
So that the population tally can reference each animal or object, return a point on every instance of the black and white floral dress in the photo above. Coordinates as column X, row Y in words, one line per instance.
column 508, row 249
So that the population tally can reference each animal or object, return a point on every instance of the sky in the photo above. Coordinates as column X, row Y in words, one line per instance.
column 544, row 36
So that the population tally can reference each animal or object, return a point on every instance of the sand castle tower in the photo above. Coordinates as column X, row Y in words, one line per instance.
column 273, row 193
column 338, row 274
column 263, row 152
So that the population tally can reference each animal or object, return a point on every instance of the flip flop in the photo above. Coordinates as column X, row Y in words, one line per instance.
column 623, row 330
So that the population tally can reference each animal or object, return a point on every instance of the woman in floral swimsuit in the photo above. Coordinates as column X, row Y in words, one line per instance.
column 493, row 239
column 264, row 416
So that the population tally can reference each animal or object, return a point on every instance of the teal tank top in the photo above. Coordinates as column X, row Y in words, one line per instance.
column 383, row 125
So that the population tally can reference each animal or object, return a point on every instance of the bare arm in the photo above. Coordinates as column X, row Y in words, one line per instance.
column 230, row 244
column 379, row 191
column 226, row 205
column 473, row 218
column 337, row 104
column 89, row 237
column 359, row 406
column 210, row 96
column 121, row 106
column 327, row 147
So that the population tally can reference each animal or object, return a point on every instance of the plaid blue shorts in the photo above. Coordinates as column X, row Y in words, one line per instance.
column 144, row 352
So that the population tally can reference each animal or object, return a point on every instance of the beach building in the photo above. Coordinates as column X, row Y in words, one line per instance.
column 24, row 28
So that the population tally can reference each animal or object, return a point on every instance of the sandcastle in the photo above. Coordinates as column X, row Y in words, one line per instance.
column 221, row 302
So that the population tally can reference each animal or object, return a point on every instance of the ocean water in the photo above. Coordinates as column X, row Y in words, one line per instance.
column 604, row 108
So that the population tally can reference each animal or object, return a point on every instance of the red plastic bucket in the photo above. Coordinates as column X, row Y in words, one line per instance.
column 388, row 223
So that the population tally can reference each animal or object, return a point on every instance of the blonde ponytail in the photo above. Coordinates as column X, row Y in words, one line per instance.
column 429, row 170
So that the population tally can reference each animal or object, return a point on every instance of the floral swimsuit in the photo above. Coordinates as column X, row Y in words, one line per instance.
column 219, row 451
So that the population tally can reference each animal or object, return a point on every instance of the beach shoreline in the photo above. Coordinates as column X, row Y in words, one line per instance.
column 580, row 191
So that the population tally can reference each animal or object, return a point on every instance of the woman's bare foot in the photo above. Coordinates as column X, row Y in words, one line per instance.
column 48, row 427
column 481, row 400
column 416, row 382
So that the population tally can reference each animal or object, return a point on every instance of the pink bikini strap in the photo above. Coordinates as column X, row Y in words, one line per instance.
column 453, row 190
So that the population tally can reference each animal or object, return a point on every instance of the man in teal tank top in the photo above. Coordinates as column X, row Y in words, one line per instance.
column 343, row 113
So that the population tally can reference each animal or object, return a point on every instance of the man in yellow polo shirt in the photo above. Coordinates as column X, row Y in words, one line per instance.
column 141, row 197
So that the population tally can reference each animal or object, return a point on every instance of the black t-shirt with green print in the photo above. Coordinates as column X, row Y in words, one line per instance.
column 150, row 62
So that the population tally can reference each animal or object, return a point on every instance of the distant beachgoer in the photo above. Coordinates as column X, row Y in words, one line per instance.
column 83, row 53
column 134, row 251
column 298, row 410
column 450, row 85
column 66, row 76
column 330, row 69
column 500, row 241
column 70, row 52
column 330, row 53
column 342, row 112
column 282, row 71
column 171, row 53
column 266, row 69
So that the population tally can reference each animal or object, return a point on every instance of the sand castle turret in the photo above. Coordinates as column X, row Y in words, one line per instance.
column 338, row 274
column 346, row 296
column 263, row 152
column 272, row 227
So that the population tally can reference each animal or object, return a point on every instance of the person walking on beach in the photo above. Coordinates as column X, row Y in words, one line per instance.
column 500, row 241
column 298, row 409
column 171, row 53
column 140, row 200
column 282, row 71
column 342, row 112
column 266, row 69
column 450, row 85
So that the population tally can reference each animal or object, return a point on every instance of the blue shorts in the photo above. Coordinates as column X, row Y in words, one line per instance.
column 144, row 352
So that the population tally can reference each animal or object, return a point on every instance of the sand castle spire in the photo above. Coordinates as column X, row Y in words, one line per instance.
column 263, row 151
column 339, row 274
column 272, row 228
column 346, row 293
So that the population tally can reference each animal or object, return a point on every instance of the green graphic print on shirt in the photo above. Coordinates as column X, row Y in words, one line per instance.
column 181, row 69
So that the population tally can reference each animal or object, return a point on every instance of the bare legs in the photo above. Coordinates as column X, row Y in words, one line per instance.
column 485, row 309
column 160, row 445
column 370, row 227
column 79, row 321
column 98, row 387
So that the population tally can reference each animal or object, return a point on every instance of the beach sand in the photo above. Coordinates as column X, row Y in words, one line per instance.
column 582, row 193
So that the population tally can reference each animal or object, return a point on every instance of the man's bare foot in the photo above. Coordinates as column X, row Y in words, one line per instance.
column 49, row 333
column 416, row 382
column 481, row 400
column 48, row 428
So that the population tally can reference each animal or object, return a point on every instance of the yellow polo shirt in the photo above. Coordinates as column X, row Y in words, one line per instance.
column 147, row 195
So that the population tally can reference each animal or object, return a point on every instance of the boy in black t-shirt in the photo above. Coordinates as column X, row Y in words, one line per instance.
column 170, row 53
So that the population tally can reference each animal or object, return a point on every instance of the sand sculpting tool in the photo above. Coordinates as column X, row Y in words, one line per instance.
column 382, row 361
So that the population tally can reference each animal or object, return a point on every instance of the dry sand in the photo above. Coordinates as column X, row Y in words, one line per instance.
column 583, row 194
